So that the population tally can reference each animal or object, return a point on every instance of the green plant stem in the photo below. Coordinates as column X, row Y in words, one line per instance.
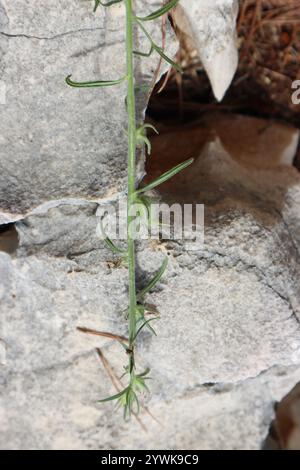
column 136, row 136
column 131, row 180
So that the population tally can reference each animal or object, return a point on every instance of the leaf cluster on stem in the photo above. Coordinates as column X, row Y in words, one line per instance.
column 128, row 398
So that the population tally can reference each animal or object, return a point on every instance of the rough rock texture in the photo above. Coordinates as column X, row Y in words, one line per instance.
column 285, row 433
column 229, row 336
column 56, row 141
column 211, row 28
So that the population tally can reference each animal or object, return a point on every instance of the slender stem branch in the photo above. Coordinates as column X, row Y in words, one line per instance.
column 128, row 397
column 131, row 179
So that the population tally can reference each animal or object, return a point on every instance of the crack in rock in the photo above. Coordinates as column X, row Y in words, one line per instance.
column 49, row 38
column 55, row 366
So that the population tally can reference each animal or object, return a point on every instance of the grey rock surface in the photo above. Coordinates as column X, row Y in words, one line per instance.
column 228, row 342
column 211, row 28
column 229, row 336
column 57, row 141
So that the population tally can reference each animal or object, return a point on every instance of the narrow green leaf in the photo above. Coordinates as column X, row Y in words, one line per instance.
column 160, row 51
column 114, row 397
column 143, row 374
column 97, row 3
column 155, row 279
column 100, row 83
column 141, row 131
column 144, row 140
column 158, row 13
column 150, row 126
column 113, row 247
column 110, row 244
column 136, row 400
column 123, row 345
column 146, row 323
column 144, row 54
column 128, row 403
column 141, row 136
column 140, row 314
column 140, row 384
column 107, row 4
column 166, row 176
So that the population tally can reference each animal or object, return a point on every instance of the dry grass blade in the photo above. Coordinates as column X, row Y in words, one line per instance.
column 110, row 373
column 104, row 334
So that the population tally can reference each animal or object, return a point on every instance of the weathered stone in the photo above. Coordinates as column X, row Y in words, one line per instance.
column 211, row 28
column 228, row 343
column 59, row 142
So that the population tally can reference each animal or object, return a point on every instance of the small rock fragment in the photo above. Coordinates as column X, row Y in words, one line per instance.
column 211, row 26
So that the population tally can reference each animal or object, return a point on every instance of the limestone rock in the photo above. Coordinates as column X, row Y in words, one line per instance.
column 59, row 142
column 228, row 342
column 211, row 27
